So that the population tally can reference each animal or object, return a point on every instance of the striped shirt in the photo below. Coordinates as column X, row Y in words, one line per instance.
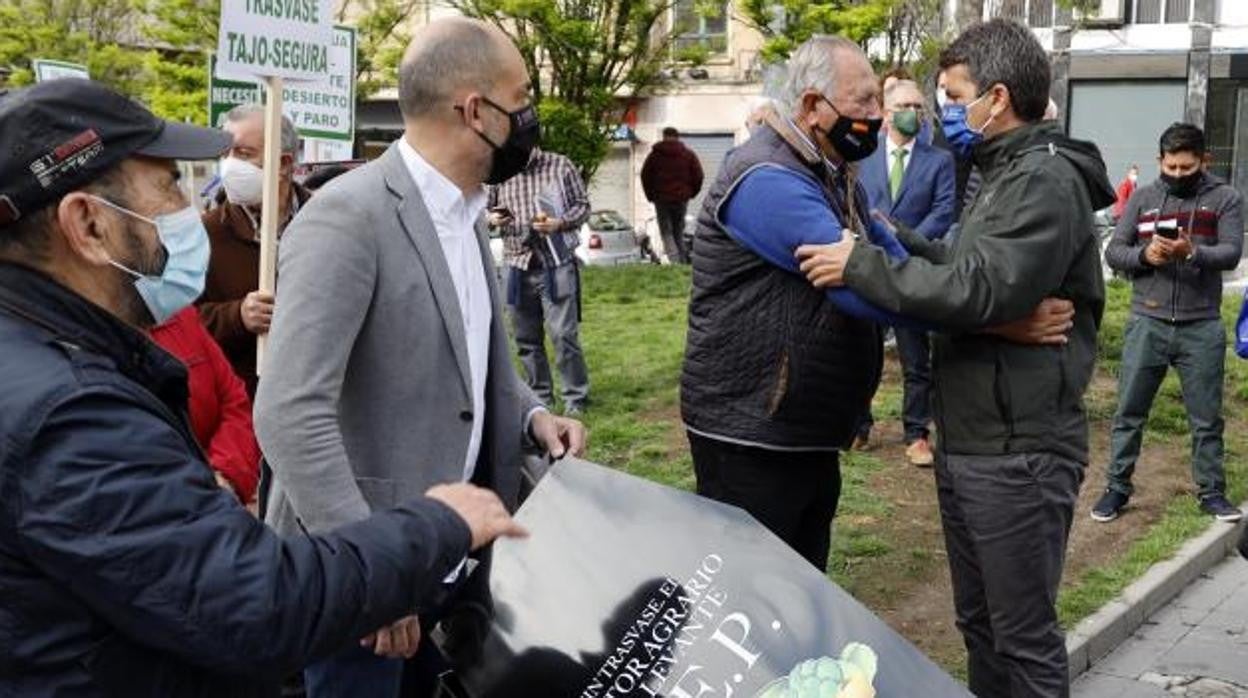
column 555, row 180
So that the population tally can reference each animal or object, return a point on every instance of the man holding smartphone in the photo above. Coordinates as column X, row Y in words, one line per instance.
column 1174, row 240
column 539, row 213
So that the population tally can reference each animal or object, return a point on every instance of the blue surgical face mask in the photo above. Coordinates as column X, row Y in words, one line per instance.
column 962, row 138
column 185, row 240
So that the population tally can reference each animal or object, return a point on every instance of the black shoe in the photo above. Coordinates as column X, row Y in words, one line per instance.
column 1109, row 505
column 1221, row 509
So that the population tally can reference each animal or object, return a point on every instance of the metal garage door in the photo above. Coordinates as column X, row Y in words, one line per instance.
column 1152, row 105
column 710, row 149
column 612, row 186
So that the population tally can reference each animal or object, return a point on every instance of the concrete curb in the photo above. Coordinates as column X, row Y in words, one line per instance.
column 1098, row 634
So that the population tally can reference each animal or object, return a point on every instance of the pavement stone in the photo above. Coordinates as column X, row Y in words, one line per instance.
column 1195, row 646
column 1101, row 685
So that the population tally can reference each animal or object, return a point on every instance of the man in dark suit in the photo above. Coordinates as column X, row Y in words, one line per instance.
column 912, row 183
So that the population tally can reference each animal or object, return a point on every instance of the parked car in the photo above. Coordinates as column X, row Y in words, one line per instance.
column 607, row 239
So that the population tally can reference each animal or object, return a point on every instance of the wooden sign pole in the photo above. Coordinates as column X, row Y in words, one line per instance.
column 270, row 210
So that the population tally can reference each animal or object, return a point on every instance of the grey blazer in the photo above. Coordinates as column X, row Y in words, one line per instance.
column 364, row 399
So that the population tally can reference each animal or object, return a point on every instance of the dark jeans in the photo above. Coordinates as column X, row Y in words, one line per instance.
column 794, row 494
column 671, row 219
column 534, row 314
column 1197, row 350
column 355, row 671
column 1006, row 520
column 915, row 354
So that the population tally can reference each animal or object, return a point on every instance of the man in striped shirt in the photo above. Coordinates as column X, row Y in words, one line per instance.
column 539, row 212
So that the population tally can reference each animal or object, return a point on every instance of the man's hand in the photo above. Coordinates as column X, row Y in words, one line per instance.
column 824, row 265
column 398, row 641
column 546, row 225
column 1158, row 251
column 497, row 220
column 481, row 509
column 225, row 484
column 1047, row 324
column 257, row 312
column 560, row 436
column 1181, row 248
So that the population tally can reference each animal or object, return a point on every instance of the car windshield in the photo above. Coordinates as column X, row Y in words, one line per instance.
column 607, row 220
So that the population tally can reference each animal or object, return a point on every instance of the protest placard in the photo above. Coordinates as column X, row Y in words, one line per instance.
column 273, row 40
column 46, row 69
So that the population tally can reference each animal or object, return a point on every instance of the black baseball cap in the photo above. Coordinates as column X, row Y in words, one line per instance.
column 59, row 135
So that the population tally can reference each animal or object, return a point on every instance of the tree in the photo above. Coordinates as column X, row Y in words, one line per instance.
column 911, row 33
column 90, row 32
column 1082, row 10
column 185, row 33
column 785, row 24
column 382, row 39
column 586, row 59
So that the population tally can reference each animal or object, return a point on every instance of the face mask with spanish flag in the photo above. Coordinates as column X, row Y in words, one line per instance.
column 853, row 139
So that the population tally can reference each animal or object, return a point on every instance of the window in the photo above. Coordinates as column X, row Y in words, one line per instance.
column 1159, row 11
column 1178, row 11
column 1040, row 13
column 697, row 32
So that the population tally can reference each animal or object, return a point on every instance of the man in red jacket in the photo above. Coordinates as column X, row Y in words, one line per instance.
column 1125, row 189
column 671, row 176
column 220, row 411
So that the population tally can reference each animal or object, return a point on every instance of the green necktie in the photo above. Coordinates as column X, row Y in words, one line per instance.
column 897, row 171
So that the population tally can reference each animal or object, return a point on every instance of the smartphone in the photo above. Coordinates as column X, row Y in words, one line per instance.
column 1168, row 229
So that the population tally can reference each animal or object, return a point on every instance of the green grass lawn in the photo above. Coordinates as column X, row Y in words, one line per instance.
column 634, row 335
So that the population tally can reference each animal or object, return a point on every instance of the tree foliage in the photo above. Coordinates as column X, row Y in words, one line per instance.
column 157, row 50
column 382, row 37
column 586, row 58
column 89, row 32
column 785, row 24
column 1082, row 9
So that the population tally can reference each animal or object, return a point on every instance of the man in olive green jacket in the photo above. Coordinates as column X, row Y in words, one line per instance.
column 1013, row 434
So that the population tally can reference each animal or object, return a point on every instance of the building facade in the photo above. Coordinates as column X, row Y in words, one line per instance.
column 1126, row 74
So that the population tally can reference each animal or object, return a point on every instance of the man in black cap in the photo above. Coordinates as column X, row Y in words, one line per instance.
column 125, row 569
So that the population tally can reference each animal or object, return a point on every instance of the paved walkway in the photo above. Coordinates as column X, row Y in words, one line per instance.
column 1196, row 646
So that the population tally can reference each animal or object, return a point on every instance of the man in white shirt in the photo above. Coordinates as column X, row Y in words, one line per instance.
column 389, row 368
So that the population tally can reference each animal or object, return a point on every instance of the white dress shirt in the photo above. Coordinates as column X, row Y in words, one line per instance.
column 454, row 217
column 892, row 148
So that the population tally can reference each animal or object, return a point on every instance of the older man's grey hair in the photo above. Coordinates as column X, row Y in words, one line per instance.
column 460, row 54
column 812, row 66
column 243, row 112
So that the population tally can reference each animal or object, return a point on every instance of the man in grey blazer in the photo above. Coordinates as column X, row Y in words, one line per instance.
column 388, row 367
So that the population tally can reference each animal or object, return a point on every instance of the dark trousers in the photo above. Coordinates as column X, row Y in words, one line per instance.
column 1006, row 521
column 1197, row 350
column 671, row 218
column 793, row 494
column 536, row 313
column 915, row 354
column 356, row 671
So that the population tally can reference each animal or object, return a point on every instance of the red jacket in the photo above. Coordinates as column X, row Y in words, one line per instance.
column 672, row 173
column 1125, row 190
column 220, row 412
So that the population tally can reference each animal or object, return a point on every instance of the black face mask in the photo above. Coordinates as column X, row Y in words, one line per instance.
column 512, row 155
column 853, row 139
column 1183, row 187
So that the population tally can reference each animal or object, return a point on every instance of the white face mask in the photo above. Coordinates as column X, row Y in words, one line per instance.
column 243, row 182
